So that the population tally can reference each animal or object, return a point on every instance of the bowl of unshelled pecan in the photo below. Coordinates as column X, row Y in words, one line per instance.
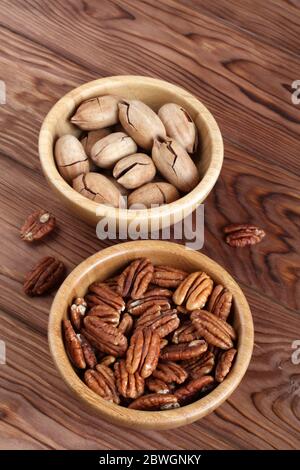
column 127, row 147
column 150, row 334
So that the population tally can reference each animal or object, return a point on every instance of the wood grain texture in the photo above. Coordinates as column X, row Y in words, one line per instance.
column 240, row 61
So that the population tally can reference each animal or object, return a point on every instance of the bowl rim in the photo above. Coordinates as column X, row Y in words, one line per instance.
column 191, row 199
column 147, row 419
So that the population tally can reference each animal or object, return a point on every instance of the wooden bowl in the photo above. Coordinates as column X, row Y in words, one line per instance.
column 105, row 264
column 154, row 93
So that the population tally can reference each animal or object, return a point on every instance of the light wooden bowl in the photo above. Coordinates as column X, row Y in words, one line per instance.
column 154, row 93
column 106, row 263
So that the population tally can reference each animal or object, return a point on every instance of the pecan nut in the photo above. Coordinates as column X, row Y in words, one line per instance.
column 193, row 291
column 162, row 322
column 155, row 402
column 183, row 351
column 128, row 385
column 126, row 324
column 44, row 276
column 135, row 279
column 224, row 364
column 100, row 293
column 102, row 382
column 188, row 391
column 112, row 282
column 200, row 366
column 186, row 333
column 214, row 330
column 220, row 302
column 167, row 276
column 106, row 313
column 77, row 312
column 143, row 352
column 156, row 296
column 37, row 226
column 88, row 352
column 104, row 337
column 108, row 360
column 240, row 235
column 170, row 372
column 73, row 345
column 157, row 385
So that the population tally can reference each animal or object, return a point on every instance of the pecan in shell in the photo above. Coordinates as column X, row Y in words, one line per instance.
column 162, row 322
column 167, row 276
column 193, row 291
column 183, row 351
column 37, row 226
column 44, row 276
column 143, row 352
column 102, row 382
column 135, row 279
column 170, row 372
column 154, row 402
column 224, row 364
column 77, row 312
column 220, row 302
column 240, row 235
column 104, row 337
column 214, row 330
column 189, row 390
column 128, row 385
column 100, row 293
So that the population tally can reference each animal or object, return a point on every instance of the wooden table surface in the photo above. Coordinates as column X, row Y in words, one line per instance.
column 240, row 58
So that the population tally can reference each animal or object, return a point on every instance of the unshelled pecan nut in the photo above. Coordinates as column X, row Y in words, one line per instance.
column 167, row 276
column 213, row 329
column 106, row 313
column 162, row 322
column 37, row 226
column 102, row 382
column 77, row 312
column 155, row 402
column 100, row 293
column 240, row 235
column 104, row 337
column 186, row 333
column 224, row 364
column 73, row 345
column 135, row 279
column 129, row 385
column 44, row 276
column 220, row 302
column 189, row 390
column 183, row 351
column 169, row 372
column 126, row 324
column 143, row 352
column 193, row 291
column 156, row 296
column 200, row 366
column 157, row 385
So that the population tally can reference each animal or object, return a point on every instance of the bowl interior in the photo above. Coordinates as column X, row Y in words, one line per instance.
column 107, row 263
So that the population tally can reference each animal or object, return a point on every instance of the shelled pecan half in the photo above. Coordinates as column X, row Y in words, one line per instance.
column 156, row 296
column 224, row 364
column 44, row 276
column 189, row 390
column 185, row 333
column 37, row 226
column 200, row 366
column 240, row 235
column 193, row 291
column 99, row 293
column 88, row 352
column 143, row 352
column 77, row 312
column 135, row 279
column 169, row 372
column 214, row 330
column 167, row 276
column 183, row 351
column 106, row 313
column 157, row 385
column 154, row 402
column 73, row 345
column 162, row 322
column 126, row 324
column 220, row 302
column 129, row 385
column 102, row 382
column 104, row 337
column 107, row 360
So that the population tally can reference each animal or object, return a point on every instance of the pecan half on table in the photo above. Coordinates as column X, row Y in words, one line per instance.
column 37, row 226
column 240, row 235
column 44, row 276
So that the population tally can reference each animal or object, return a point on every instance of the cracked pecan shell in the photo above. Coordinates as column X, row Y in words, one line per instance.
column 224, row 364
column 73, row 345
column 126, row 324
column 135, row 279
column 44, row 276
column 183, row 351
column 154, row 402
column 170, row 372
column 200, row 366
column 106, row 313
column 191, row 389
column 157, row 385
column 128, row 385
column 37, row 226
column 157, row 296
column 102, row 382
column 104, row 337
column 162, row 322
column 220, row 302
column 240, row 235
column 143, row 352
column 77, row 312
column 193, row 291
column 100, row 293
column 185, row 333
column 214, row 330
column 167, row 276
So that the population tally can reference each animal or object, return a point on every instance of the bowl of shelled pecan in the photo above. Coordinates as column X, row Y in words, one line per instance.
column 128, row 147
column 150, row 334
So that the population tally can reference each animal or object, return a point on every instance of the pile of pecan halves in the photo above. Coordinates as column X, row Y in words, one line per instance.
column 143, row 339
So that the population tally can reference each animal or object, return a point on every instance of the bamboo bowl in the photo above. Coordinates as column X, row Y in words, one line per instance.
column 104, row 264
column 153, row 92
